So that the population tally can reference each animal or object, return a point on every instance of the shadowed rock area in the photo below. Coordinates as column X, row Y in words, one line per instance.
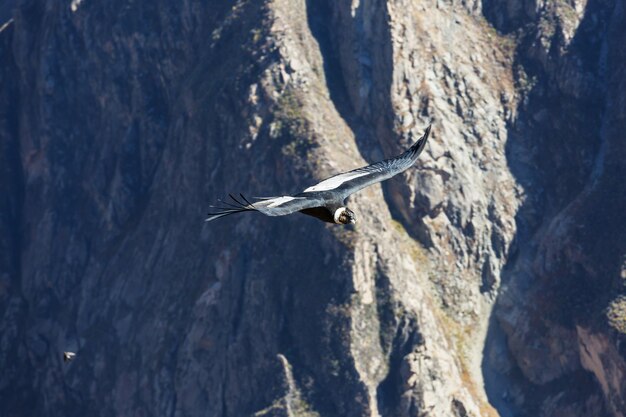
column 489, row 279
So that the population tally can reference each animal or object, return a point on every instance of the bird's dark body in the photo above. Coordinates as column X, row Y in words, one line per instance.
column 321, row 213
column 324, row 213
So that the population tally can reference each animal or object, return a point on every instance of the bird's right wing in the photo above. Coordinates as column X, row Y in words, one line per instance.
column 270, row 206
column 342, row 185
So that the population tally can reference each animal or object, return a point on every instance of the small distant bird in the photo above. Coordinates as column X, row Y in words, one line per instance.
column 326, row 200
column 68, row 356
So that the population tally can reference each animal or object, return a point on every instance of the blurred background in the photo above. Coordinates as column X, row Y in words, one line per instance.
column 489, row 279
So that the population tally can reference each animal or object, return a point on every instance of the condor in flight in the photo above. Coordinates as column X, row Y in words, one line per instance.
column 326, row 200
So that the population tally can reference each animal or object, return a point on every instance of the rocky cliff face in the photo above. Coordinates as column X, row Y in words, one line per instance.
column 487, row 280
column 560, row 306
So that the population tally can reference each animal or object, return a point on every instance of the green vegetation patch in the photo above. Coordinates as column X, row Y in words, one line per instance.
column 288, row 115
column 291, row 128
column 616, row 313
column 416, row 251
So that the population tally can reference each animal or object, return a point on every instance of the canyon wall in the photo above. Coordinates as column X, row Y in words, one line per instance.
column 487, row 280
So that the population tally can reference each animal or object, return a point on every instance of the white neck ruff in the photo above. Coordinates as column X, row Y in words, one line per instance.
column 338, row 214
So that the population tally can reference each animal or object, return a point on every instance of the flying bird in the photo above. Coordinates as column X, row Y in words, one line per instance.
column 68, row 356
column 326, row 200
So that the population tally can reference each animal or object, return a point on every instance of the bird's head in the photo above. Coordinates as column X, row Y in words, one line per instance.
column 343, row 215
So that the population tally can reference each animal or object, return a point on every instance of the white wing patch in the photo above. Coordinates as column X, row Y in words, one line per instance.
column 275, row 202
column 334, row 182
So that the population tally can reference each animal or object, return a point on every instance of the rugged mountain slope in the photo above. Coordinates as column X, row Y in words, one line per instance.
column 561, row 309
column 497, row 260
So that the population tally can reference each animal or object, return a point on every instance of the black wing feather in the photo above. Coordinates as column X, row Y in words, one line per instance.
column 275, row 206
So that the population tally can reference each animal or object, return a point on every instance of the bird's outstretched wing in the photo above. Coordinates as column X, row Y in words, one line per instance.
column 329, row 192
column 344, row 184
column 270, row 206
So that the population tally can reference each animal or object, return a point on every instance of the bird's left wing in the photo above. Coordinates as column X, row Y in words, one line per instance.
column 342, row 185
column 281, row 206
column 270, row 206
